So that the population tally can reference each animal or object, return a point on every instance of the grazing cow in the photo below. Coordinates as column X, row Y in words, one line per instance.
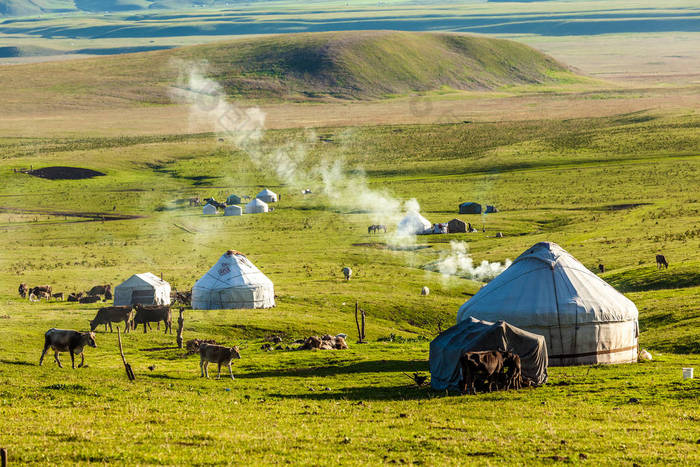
column 184, row 297
column 58, row 296
column 112, row 314
column 32, row 297
column 44, row 295
column 425, row 291
column 153, row 313
column 100, row 290
column 23, row 290
column 484, row 365
column 601, row 268
column 661, row 262
column 347, row 272
column 89, row 299
column 39, row 289
column 195, row 201
column 63, row 340
column 216, row 354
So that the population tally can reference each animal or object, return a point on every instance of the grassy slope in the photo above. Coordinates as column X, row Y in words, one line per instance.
column 301, row 66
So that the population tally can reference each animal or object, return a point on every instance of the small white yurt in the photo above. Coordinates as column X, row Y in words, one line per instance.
column 256, row 206
column 144, row 289
column 233, row 282
column 233, row 211
column 546, row 291
column 209, row 210
column 267, row 196
column 414, row 224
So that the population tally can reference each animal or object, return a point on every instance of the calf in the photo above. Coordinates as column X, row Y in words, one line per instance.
column 153, row 313
column 485, row 364
column 347, row 272
column 601, row 268
column 112, row 314
column 23, row 290
column 216, row 354
column 74, row 297
column 513, row 377
column 661, row 262
column 58, row 296
column 63, row 340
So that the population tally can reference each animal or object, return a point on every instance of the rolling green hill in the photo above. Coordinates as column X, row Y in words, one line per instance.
column 298, row 66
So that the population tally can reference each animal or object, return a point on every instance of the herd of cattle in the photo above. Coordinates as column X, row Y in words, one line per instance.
column 45, row 292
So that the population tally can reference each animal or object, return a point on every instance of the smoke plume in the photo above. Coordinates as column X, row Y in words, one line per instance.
column 459, row 263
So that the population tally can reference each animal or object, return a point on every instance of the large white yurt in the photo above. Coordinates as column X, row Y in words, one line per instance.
column 267, row 196
column 414, row 224
column 256, row 206
column 233, row 211
column 233, row 282
column 144, row 289
column 547, row 291
column 209, row 210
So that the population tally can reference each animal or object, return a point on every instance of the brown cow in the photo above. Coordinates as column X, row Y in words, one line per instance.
column 216, row 354
column 513, row 377
column 89, row 299
column 39, row 289
column 661, row 262
column 112, row 314
column 486, row 365
column 153, row 313
column 100, row 290
column 63, row 340
column 58, row 296
column 23, row 290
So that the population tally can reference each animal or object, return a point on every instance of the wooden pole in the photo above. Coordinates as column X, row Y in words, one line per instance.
column 180, row 327
column 127, row 367
column 357, row 322
column 363, row 325
column 3, row 457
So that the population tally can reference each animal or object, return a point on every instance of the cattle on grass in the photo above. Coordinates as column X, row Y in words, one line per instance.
column 57, row 296
column 661, row 262
column 210, row 353
column 484, row 366
column 601, row 268
column 74, row 297
column 23, row 290
column 65, row 340
column 40, row 289
column 512, row 377
column 112, row 314
column 89, row 299
column 100, row 290
column 347, row 272
column 153, row 313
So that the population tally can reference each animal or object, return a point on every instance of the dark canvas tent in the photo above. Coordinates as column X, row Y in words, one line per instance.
column 456, row 226
column 474, row 335
column 470, row 208
column 233, row 199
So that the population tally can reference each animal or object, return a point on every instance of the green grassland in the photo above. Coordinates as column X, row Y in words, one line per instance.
column 615, row 190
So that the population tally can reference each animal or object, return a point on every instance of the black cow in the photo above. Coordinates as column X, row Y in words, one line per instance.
column 65, row 340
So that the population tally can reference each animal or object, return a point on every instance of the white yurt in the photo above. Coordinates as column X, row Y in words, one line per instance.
column 546, row 291
column 414, row 224
column 233, row 211
column 267, row 196
column 144, row 289
column 233, row 282
column 256, row 206
column 209, row 210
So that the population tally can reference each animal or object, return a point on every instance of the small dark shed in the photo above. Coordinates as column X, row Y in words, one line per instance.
column 456, row 226
column 470, row 208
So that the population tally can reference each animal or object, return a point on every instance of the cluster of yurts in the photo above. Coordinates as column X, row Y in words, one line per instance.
column 547, row 305
column 257, row 205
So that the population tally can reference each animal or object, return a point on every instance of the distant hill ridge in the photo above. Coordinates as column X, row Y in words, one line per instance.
column 308, row 66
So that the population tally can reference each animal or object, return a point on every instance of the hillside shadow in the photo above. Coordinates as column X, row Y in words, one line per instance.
column 375, row 366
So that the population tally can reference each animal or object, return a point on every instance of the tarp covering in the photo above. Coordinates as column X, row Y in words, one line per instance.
column 267, row 195
column 414, row 224
column 548, row 292
column 475, row 335
column 456, row 226
column 233, row 282
column 145, row 289
column 233, row 211
column 233, row 199
column 470, row 208
column 208, row 210
column 256, row 206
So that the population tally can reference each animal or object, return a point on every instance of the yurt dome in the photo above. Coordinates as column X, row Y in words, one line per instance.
column 233, row 211
column 256, row 206
column 267, row 196
column 144, row 289
column 414, row 224
column 233, row 199
column 548, row 292
column 233, row 282
column 209, row 210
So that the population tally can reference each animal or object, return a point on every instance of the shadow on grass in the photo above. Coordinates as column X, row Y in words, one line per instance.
column 374, row 366
column 16, row 362
column 157, row 349
column 160, row 376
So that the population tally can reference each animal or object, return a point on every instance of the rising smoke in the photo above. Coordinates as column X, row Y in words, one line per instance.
column 459, row 263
